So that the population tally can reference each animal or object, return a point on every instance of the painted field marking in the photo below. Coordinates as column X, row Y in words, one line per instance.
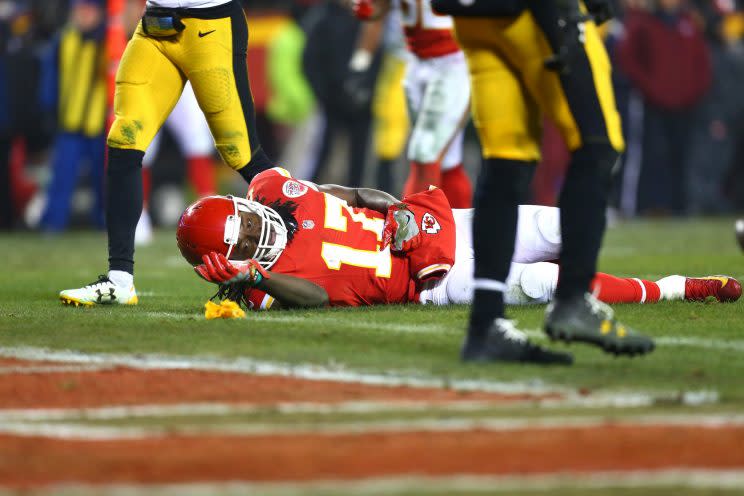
column 568, row 396
column 435, row 485
column 76, row 431
column 689, row 342
column 52, row 369
column 213, row 409
column 247, row 365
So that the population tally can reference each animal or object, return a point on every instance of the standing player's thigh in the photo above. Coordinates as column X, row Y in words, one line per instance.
column 443, row 108
column 582, row 102
column 414, row 83
column 216, row 66
column 189, row 127
column 148, row 86
column 506, row 117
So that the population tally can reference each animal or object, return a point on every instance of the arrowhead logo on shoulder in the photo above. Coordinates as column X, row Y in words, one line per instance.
column 429, row 224
column 293, row 189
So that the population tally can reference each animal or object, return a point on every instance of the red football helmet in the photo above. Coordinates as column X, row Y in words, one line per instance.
column 213, row 224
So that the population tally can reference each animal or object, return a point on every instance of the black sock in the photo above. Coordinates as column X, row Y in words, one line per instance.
column 583, row 203
column 502, row 184
column 259, row 163
column 385, row 175
column 123, row 205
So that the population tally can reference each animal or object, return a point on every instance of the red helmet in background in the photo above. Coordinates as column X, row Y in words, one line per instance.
column 213, row 224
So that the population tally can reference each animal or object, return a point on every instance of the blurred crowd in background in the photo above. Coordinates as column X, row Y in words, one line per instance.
column 679, row 77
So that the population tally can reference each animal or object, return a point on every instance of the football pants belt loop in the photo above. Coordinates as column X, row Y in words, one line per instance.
column 162, row 23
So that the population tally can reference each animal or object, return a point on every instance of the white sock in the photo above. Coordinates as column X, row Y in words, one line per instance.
column 121, row 278
column 672, row 287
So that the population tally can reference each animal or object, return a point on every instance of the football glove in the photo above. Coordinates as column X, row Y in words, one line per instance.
column 401, row 230
column 363, row 9
column 219, row 270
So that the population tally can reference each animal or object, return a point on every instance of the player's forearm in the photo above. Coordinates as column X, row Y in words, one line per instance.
column 293, row 292
column 373, row 199
column 369, row 40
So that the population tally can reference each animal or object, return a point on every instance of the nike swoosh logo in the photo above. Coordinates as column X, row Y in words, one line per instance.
column 202, row 35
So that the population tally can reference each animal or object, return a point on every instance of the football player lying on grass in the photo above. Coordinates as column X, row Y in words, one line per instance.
column 296, row 244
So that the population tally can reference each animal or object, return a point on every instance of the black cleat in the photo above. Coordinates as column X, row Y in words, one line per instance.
column 586, row 319
column 506, row 343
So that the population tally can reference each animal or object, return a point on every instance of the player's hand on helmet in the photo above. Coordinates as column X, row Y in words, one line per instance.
column 401, row 230
column 219, row 270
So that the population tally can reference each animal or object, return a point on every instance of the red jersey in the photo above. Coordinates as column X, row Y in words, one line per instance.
column 428, row 34
column 336, row 246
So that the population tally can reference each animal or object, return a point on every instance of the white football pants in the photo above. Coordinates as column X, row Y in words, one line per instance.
column 532, row 279
column 438, row 95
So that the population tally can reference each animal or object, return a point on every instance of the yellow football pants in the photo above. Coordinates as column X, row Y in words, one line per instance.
column 389, row 109
column 512, row 90
column 211, row 53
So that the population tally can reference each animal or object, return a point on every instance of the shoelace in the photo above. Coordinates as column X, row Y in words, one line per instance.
column 510, row 331
column 102, row 279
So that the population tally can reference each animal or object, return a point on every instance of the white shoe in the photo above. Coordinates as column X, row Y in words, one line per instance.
column 101, row 292
column 143, row 233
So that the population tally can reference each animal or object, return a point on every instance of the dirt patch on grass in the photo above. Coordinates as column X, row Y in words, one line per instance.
column 126, row 386
column 33, row 461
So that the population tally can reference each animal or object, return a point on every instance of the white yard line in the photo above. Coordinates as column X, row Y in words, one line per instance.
column 77, row 431
column 214, row 409
column 338, row 373
column 51, row 369
column 261, row 367
column 507, row 484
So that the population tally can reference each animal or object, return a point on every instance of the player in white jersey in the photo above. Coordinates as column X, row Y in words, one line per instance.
column 438, row 96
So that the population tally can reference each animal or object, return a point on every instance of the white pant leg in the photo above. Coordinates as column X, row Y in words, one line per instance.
column 438, row 94
column 526, row 283
column 453, row 156
column 538, row 234
column 531, row 283
column 189, row 126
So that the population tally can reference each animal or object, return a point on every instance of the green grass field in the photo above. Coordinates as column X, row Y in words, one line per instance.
column 699, row 345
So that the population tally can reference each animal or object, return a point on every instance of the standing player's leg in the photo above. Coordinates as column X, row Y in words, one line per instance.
column 439, row 97
column 215, row 64
column 191, row 131
column 503, row 117
column 581, row 102
column 390, row 120
column 455, row 181
column 68, row 157
column 148, row 85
